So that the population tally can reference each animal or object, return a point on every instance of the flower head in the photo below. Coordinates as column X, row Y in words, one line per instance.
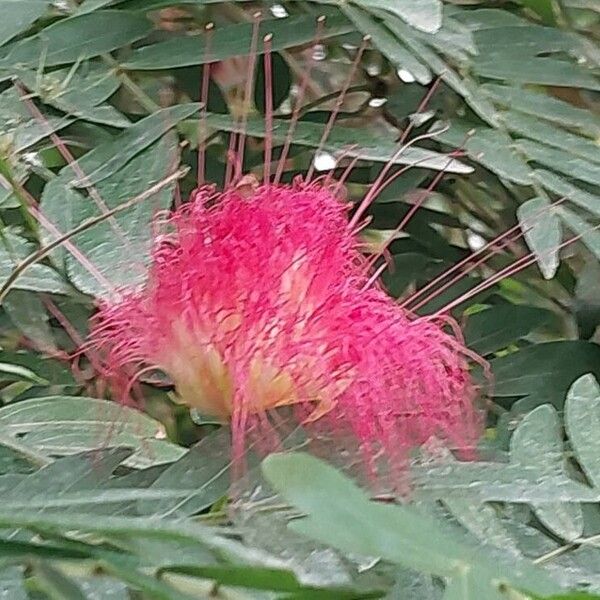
column 259, row 299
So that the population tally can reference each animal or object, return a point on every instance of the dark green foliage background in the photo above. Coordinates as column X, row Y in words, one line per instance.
column 101, row 501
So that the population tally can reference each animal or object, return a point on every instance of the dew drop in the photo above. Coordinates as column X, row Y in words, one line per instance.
column 377, row 102
column 406, row 76
column 324, row 161
column 279, row 11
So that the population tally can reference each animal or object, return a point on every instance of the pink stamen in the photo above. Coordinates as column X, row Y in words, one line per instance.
column 268, row 107
column 511, row 270
column 239, row 162
column 338, row 104
column 298, row 104
column 204, row 100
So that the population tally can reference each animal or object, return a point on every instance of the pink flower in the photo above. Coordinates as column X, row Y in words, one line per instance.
column 260, row 300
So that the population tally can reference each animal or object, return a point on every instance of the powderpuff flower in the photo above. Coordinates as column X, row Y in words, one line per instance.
column 259, row 298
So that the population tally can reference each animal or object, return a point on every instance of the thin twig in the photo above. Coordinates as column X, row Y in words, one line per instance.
column 87, row 224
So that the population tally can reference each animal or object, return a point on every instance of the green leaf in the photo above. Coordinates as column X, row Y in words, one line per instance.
column 12, row 583
column 205, row 469
column 90, row 5
column 38, row 278
column 27, row 311
column 104, row 160
column 491, row 148
column 65, row 476
column 19, row 373
column 543, row 106
column 233, row 40
column 499, row 482
column 564, row 162
column 390, row 45
column 271, row 579
column 340, row 514
column 60, row 43
column 490, row 18
column 18, row 15
column 156, row 4
column 542, row 231
column 57, row 585
column 48, row 369
column 540, row 131
column 562, row 187
column 543, row 71
column 462, row 85
column 65, row 425
column 582, row 419
column 571, row 596
column 482, row 521
column 497, row 327
column 537, row 443
column 20, row 127
column 79, row 93
column 545, row 370
column 351, row 142
column 119, row 248
column 589, row 236
column 527, row 42
column 544, row 8
column 141, row 528
column 100, row 588
column 425, row 15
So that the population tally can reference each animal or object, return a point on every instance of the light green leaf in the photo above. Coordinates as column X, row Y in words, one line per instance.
column 582, row 422
column 543, row 71
column 389, row 44
column 554, row 183
column 60, row 43
column 65, row 425
column 543, row 106
column 20, row 373
column 78, row 94
column 542, row 231
column 464, row 86
column 18, row 15
column 120, row 248
column 106, row 159
column 590, row 236
column 38, row 278
column 564, row 162
column 28, row 313
column 491, row 148
column 425, row 15
column 204, row 469
column 12, row 583
column 537, row 443
column 540, row 131
column 339, row 514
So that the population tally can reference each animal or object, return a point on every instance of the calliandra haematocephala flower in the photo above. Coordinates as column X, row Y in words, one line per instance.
column 258, row 299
